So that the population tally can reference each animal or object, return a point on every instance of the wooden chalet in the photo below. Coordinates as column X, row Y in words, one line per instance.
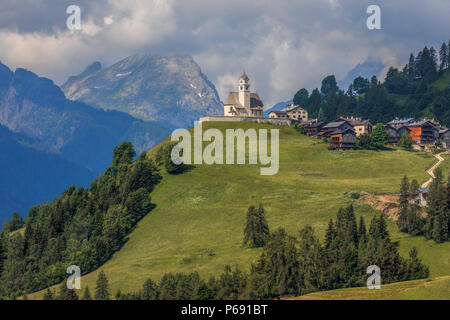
column 360, row 125
column 423, row 132
column 343, row 139
column 331, row 127
column 313, row 129
column 444, row 137
column 395, row 134
column 398, row 123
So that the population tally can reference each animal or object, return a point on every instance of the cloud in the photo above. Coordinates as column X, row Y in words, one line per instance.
column 283, row 45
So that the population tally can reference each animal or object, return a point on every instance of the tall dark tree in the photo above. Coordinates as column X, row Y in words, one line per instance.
column 379, row 136
column 102, row 288
column 330, row 234
column 403, row 204
column 150, row 290
column 362, row 231
column 123, row 154
column 443, row 56
column 48, row 295
column 302, row 98
column 360, row 85
column 411, row 68
column 87, row 294
column 329, row 86
column 256, row 230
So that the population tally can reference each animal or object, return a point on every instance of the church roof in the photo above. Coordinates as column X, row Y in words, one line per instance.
column 244, row 76
column 255, row 100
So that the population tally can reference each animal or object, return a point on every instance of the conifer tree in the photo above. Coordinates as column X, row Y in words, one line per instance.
column 256, row 229
column 330, row 234
column 362, row 232
column 411, row 68
column 403, row 204
column 71, row 294
column 415, row 268
column 448, row 55
column 62, row 292
column 379, row 136
column 149, row 290
column 87, row 294
column 48, row 295
column 443, row 56
column 102, row 288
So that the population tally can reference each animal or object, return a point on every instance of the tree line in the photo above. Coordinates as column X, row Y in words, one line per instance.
column 436, row 224
column 83, row 226
column 404, row 93
column 295, row 265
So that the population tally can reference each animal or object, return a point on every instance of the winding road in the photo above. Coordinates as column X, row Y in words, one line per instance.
column 431, row 170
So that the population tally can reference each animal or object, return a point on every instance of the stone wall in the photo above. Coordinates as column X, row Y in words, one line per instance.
column 286, row 122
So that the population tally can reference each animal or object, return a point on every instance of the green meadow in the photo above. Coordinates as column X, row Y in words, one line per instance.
column 199, row 218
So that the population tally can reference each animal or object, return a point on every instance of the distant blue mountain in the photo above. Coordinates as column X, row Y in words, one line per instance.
column 367, row 69
column 29, row 176
column 37, row 108
column 277, row 107
column 49, row 142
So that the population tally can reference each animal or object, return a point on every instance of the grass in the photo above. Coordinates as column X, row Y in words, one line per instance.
column 198, row 221
column 443, row 82
column 424, row 289
column 445, row 166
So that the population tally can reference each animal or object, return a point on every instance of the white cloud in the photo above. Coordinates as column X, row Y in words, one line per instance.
column 283, row 45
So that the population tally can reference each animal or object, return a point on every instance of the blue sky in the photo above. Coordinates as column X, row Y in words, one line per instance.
column 283, row 45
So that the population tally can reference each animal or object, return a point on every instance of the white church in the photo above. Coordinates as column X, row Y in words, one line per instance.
column 243, row 103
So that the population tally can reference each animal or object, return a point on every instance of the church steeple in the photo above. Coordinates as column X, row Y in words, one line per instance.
column 244, row 90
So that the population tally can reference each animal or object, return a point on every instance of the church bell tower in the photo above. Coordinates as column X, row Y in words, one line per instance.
column 244, row 90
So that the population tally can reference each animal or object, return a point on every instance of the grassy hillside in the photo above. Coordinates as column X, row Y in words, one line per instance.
column 428, row 289
column 198, row 221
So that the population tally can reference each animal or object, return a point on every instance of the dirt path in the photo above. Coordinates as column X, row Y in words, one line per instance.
column 431, row 170
column 388, row 203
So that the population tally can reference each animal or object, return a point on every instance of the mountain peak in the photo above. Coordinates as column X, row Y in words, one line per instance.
column 366, row 69
column 94, row 67
column 170, row 89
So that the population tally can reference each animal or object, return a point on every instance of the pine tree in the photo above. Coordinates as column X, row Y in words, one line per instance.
column 102, row 288
column 403, row 204
column 87, row 294
column 415, row 268
column 440, row 228
column 362, row 231
column 379, row 136
column 123, row 154
column 149, row 290
column 256, row 230
column 411, row 68
column 443, row 57
column 48, row 295
column 330, row 234
column 62, row 292
column 71, row 294
column 448, row 54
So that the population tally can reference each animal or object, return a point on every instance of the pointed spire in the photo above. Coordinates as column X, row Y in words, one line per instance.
column 244, row 76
